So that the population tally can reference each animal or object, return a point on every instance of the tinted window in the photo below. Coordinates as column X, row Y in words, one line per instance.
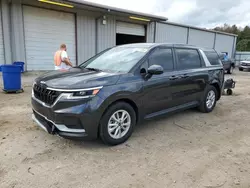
column 188, row 58
column 162, row 57
column 213, row 58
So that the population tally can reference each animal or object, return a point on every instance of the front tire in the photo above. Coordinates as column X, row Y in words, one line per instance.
column 209, row 99
column 240, row 69
column 117, row 123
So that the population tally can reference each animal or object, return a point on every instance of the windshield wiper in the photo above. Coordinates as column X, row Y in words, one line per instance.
column 93, row 69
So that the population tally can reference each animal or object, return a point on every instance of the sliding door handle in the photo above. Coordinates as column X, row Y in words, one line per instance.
column 185, row 76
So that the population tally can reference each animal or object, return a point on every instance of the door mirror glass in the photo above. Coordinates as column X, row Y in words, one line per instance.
column 155, row 70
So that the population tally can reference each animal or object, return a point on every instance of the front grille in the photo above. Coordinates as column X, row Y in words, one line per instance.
column 45, row 95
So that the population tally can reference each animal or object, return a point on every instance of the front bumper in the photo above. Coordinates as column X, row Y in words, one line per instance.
column 61, row 130
column 244, row 67
column 69, row 119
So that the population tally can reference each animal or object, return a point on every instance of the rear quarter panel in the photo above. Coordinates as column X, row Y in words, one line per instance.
column 216, row 76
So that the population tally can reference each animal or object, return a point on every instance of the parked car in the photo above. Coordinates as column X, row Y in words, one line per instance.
column 244, row 65
column 228, row 64
column 112, row 92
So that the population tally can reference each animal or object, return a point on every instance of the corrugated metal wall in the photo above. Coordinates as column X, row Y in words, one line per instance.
column 224, row 43
column 2, row 57
column 150, row 32
column 161, row 33
column 17, row 32
column 171, row 33
column 5, row 10
column 86, row 35
column 201, row 38
column 106, row 34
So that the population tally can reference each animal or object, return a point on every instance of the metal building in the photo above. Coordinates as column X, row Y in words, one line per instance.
column 31, row 31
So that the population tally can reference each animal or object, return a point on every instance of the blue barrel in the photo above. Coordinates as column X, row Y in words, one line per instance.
column 20, row 64
column 11, row 77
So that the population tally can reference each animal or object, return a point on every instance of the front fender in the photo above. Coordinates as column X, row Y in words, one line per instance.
column 126, row 92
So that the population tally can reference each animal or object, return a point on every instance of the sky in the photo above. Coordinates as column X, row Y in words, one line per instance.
column 200, row 13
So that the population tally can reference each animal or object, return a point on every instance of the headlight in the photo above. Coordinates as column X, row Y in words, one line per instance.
column 82, row 94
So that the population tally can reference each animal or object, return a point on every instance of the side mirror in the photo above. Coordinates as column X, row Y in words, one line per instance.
column 155, row 70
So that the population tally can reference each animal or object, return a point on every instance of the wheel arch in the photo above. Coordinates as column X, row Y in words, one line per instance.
column 126, row 100
column 217, row 87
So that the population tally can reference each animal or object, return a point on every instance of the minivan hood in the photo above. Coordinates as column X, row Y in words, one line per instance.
column 77, row 78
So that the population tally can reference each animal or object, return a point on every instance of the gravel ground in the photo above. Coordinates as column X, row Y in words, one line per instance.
column 188, row 149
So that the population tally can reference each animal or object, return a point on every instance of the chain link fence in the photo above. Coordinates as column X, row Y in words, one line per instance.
column 241, row 56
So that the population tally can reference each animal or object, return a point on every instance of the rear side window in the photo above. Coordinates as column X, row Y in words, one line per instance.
column 162, row 57
column 212, row 57
column 188, row 58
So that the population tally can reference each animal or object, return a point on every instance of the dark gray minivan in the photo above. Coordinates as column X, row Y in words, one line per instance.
column 110, row 93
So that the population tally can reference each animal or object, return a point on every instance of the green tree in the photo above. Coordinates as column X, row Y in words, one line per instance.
column 246, row 33
column 243, row 45
column 235, row 30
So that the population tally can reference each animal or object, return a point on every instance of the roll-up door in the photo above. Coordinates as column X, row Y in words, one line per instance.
column 130, row 29
column 44, row 31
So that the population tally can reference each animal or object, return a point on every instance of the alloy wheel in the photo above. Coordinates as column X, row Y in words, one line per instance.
column 119, row 124
column 210, row 99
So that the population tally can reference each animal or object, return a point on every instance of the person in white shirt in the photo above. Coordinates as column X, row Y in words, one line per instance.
column 61, row 59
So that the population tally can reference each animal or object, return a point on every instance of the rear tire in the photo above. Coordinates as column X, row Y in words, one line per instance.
column 114, row 128
column 229, row 91
column 209, row 99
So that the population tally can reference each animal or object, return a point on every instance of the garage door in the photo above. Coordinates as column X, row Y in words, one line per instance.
column 44, row 31
column 130, row 29
column 2, row 61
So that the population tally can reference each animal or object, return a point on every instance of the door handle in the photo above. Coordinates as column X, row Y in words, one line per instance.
column 174, row 77
column 178, row 77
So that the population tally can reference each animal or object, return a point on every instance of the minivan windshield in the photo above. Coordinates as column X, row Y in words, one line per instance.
column 118, row 59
